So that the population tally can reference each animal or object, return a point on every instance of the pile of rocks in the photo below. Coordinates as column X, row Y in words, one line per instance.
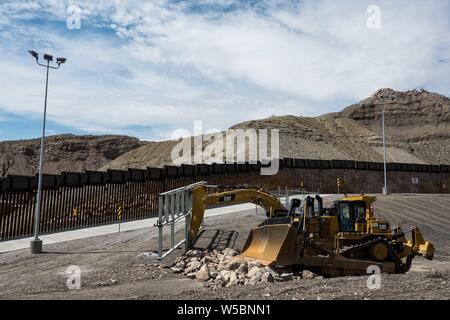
column 225, row 269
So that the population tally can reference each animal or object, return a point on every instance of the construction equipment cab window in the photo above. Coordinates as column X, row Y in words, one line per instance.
column 351, row 213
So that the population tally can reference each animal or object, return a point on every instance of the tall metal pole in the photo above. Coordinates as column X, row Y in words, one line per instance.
column 385, row 190
column 36, row 243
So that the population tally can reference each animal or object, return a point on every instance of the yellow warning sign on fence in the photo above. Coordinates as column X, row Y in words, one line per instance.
column 74, row 212
column 338, row 183
column 119, row 215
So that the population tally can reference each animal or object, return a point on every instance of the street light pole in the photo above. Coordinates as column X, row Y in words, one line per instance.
column 36, row 243
column 385, row 190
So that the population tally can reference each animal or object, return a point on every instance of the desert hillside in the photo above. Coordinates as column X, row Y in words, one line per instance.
column 417, row 131
column 63, row 153
column 417, row 122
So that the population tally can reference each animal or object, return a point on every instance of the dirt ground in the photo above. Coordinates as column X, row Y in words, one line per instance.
column 122, row 266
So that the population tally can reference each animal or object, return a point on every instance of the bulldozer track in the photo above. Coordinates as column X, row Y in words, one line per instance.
column 400, row 267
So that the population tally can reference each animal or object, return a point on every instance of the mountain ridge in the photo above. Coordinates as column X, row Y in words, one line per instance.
column 65, row 152
column 417, row 124
column 417, row 131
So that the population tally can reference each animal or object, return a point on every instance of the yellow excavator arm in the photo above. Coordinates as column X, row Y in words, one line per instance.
column 200, row 198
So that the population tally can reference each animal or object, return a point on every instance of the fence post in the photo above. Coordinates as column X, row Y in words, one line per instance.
column 160, row 227
column 173, row 205
column 187, row 220
column 287, row 197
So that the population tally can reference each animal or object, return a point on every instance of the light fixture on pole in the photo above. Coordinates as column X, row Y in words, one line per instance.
column 36, row 243
column 385, row 190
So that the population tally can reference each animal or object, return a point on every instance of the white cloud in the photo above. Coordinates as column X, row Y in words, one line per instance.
column 169, row 63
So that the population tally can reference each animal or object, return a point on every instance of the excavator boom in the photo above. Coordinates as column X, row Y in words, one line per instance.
column 201, row 199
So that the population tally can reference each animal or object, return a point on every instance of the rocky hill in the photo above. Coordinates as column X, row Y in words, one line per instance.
column 417, row 131
column 63, row 153
column 417, row 122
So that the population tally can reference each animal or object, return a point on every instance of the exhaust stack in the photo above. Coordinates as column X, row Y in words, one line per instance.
column 319, row 205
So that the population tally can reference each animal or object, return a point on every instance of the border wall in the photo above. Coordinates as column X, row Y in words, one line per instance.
column 77, row 200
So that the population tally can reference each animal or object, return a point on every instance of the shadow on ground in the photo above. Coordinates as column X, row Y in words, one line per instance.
column 217, row 239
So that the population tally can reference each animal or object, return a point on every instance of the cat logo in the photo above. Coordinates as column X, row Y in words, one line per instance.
column 227, row 198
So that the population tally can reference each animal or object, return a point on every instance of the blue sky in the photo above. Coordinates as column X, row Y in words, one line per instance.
column 146, row 68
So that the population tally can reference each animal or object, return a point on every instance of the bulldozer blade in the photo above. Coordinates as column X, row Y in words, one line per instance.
column 276, row 244
column 422, row 247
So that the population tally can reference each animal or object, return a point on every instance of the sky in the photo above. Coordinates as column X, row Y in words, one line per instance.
column 147, row 68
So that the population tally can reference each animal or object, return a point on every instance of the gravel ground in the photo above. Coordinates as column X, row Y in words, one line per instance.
column 122, row 266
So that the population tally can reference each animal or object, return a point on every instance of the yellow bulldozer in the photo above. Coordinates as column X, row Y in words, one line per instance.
column 344, row 239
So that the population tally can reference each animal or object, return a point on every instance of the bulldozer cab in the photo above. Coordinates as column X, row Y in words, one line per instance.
column 351, row 214
column 354, row 213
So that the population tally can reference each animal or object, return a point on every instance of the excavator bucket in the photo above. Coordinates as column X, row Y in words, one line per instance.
column 276, row 244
